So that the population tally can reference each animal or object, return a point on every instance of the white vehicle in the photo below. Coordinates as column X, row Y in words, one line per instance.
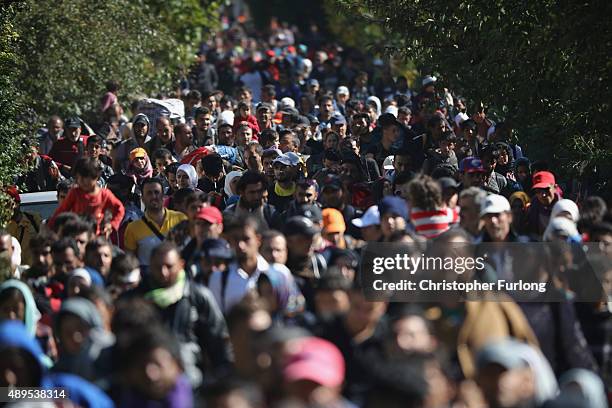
column 43, row 203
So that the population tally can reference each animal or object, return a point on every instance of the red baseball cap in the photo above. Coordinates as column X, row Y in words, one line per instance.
column 210, row 214
column 543, row 179
column 317, row 360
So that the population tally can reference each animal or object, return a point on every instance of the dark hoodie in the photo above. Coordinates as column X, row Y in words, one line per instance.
column 90, row 362
column 538, row 216
column 14, row 334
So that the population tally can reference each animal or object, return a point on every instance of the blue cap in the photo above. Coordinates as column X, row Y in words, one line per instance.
column 216, row 248
column 313, row 82
column 393, row 205
column 337, row 119
column 73, row 122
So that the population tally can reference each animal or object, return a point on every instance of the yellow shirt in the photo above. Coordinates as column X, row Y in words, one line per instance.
column 141, row 240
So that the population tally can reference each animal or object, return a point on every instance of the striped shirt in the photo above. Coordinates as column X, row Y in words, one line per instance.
column 432, row 223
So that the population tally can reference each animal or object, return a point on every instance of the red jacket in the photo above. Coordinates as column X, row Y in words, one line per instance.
column 95, row 205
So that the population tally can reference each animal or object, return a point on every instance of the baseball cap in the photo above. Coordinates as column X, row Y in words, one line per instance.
column 503, row 353
column 387, row 119
column 388, row 162
column 286, row 102
column 369, row 218
column 310, row 211
column 313, row 82
column 332, row 181
column 337, row 119
column 264, row 105
column 342, row 90
column 216, row 248
column 429, row 80
column 333, row 221
column 210, row 214
column 288, row 159
column 300, row 226
column 313, row 119
column 73, row 122
column 393, row 205
column 543, row 179
column 494, row 204
column 288, row 110
column 138, row 152
column 392, row 109
column 471, row 165
column 314, row 359
column 447, row 183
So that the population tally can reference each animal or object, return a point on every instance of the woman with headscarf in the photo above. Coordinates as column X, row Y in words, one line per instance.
column 83, row 340
column 231, row 180
column 139, row 166
column 375, row 102
column 567, row 209
column 279, row 289
column 585, row 384
column 519, row 203
column 187, row 176
column 17, row 303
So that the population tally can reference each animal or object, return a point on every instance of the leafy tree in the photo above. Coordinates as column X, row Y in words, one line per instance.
column 71, row 48
column 12, row 129
column 543, row 65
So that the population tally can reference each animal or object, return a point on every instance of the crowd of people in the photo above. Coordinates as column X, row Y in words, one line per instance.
column 213, row 258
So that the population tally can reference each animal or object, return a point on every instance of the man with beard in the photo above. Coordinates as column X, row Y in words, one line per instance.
column 286, row 173
column 140, row 129
column 142, row 236
column 66, row 151
column 251, row 188
column 229, row 287
column 203, row 133
column 546, row 194
column 333, row 195
column 164, row 137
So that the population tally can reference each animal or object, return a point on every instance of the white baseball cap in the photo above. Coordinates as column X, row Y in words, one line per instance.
column 494, row 204
column 388, row 162
column 429, row 80
column 342, row 90
column 369, row 218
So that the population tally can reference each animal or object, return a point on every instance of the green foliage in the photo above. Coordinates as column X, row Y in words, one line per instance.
column 12, row 129
column 544, row 65
column 189, row 21
column 73, row 47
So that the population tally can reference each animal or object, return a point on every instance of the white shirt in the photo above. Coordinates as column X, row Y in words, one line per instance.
column 239, row 283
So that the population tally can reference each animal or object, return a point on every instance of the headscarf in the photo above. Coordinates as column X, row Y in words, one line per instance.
column 561, row 225
column 228, row 180
column 591, row 386
column 137, row 173
column 567, row 206
column 32, row 315
column 191, row 173
column 376, row 102
column 520, row 195
column 289, row 299
column 513, row 351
